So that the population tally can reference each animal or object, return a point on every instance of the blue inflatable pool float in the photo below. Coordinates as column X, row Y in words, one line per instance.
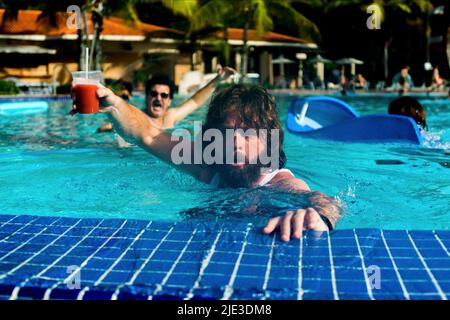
column 333, row 119
column 23, row 107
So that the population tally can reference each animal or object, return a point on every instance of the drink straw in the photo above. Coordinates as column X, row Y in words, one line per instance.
column 87, row 61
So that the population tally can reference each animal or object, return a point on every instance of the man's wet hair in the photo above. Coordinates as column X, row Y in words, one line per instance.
column 410, row 107
column 255, row 108
column 160, row 79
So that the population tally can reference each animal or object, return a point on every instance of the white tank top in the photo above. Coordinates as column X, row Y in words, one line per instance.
column 215, row 181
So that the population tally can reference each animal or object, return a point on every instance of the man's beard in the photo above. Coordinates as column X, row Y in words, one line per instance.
column 239, row 177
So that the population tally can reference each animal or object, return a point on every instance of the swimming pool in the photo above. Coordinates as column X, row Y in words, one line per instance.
column 75, row 206
column 56, row 165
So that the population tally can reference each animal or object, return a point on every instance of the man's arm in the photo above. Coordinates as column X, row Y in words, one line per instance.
column 177, row 114
column 136, row 127
column 326, row 206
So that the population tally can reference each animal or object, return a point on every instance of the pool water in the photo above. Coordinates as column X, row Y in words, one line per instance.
column 56, row 165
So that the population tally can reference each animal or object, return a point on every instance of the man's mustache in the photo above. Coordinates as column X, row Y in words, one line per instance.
column 156, row 103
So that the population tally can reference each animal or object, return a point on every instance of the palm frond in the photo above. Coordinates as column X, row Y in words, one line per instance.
column 304, row 27
column 212, row 13
column 185, row 8
column 261, row 18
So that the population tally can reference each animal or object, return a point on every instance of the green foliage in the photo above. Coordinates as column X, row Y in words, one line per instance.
column 258, row 14
column 8, row 88
column 140, row 75
column 185, row 8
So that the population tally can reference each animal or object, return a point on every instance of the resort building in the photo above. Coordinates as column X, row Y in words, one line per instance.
column 35, row 48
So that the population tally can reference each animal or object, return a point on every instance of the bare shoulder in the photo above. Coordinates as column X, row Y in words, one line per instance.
column 170, row 118
column 285, row 180
column 170, row 112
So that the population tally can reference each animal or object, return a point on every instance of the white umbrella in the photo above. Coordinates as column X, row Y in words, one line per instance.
column 281, row 60
column 351, row 61
column 320, row 59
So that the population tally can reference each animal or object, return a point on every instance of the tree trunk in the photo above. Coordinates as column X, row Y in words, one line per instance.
column 227, row 51
column 444, row 62
column 193, row 51
column 96, row 46
column 427, row 36
column 447, row 42
column 192, row 61
column 244, row 65
column 84, row 41
column 387, row 44
column 80, row 45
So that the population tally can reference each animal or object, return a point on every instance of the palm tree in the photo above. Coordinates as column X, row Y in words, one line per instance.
column 98, row 9
column 446, row 36
column 187, row 9
column 12, row 8
column 49, row 12
column 387, row 10
column 251, row 13
column 393, row 7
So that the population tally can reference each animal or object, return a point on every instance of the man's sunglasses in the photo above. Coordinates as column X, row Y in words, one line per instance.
column 163, row 95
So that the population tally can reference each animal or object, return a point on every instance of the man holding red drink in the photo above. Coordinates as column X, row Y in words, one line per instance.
column 159, row 91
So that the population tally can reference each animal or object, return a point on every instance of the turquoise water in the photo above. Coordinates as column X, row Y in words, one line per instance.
column 53, row 164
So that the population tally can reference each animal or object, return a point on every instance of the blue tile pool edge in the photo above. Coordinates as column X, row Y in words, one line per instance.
column 401, row 259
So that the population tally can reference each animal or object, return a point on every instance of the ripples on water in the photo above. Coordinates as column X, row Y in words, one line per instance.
column 54, row 164
column 256, row 204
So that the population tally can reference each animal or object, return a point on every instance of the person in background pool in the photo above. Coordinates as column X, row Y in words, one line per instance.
column 159, row 91
column 437, row 82
column 343, row 80
column 410, row 107
column 360, row 82
column 402, row 81
column 236, row 107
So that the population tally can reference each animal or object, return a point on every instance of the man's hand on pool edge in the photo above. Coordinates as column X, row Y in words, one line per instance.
column 294, row 222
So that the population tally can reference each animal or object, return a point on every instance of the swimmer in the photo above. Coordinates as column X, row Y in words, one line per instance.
column 159, row 91
column 233, row 108
column 402, row 81
column 437, row 82
column 410, row 107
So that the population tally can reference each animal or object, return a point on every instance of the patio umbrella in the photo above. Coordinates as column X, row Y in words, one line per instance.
column 320, row 59
column 281, row 60
column 351, row 61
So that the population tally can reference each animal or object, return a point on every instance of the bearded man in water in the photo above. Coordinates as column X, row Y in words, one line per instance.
column 236, row 108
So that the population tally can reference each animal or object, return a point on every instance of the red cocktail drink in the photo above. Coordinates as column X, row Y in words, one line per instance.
column 85, row 85
column 86, row 98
